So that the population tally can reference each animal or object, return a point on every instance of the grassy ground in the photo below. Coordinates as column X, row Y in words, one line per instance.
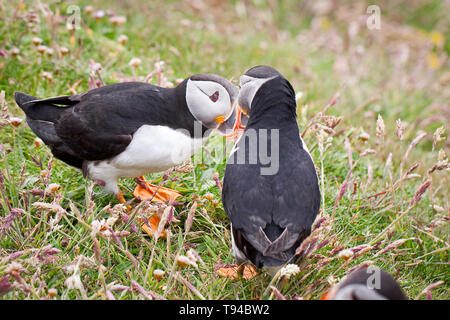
column 384, row 182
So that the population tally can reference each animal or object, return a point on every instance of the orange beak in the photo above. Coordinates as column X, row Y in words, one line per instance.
column 238, row 128
column 220, row 119
column 326, row 296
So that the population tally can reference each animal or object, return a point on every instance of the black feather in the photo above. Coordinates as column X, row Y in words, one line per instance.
column 288, row 200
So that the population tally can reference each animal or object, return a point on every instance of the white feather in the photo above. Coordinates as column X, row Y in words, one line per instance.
column 153, row 149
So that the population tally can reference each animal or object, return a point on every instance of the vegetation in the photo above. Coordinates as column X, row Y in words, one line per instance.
column 372, row 104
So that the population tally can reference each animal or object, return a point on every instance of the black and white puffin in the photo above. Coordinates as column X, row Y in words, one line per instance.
column 127, row 130
column 271, row 214
column 366, row 283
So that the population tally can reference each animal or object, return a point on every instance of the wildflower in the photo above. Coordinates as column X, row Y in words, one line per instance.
column 52, row 188
column 135, row 62
column 89, row 9
column 159, row 65
column 433, row 60
column 63, row 51
column 123, row 39
column 50, row 52
column 289, row 270
column 364, row 136
column 36, row 41
column 99, row 14
column 194, row 256
column 94, row 66
column 298, row 95
column 209, row 196
column 346, row 254
column 73, row 282
column 15, row 121
column 437, row 38
column 118, row 20
column 47, row 75
column 158, row 274
column 184, row 261
column 38, row 142
column 15, row 52
column 112, row 220
column 41, row 49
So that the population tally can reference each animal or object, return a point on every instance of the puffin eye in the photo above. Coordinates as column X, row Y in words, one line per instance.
column 215, row 96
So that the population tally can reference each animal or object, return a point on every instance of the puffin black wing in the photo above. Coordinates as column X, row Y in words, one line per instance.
column 94, row 125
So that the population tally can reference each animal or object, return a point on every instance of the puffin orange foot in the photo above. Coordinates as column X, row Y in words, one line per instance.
column 120, row 198
column 148, row 191
column 234, row 272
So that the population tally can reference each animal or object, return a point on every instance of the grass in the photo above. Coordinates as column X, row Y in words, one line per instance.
column 47, row 245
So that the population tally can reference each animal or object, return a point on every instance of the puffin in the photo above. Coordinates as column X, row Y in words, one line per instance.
column 130, row 129
column 270, row 211
column 366, row 283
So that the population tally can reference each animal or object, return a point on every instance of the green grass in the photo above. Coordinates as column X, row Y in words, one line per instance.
column 316, row 53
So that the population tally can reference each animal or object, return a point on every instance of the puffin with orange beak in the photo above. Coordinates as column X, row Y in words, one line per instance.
column 366, row 283
column 130, row 129
column 271, row 211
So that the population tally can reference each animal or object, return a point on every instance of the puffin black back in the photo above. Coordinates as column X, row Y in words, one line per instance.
column 271, row 211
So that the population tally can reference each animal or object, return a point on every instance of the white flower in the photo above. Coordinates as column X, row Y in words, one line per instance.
column 52, row 188
column 346, row 254
column 112, row 220
column 36, row 41
column 15, row 51
column 38, row 142
column 289, row 271
column 135, row 62
column 184, row 261
column 158, row 274
column 41, row 49
column 73, row 282
column 123, row 39
column 63, row 51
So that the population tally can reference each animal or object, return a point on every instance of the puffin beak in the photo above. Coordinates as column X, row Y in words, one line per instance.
column 326, row 296
column 234, row 126
column 220, row 119
column 242, row 119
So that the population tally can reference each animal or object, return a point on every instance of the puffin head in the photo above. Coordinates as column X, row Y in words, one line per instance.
column 251, row 81
column 212, row 99
column 367, row 283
